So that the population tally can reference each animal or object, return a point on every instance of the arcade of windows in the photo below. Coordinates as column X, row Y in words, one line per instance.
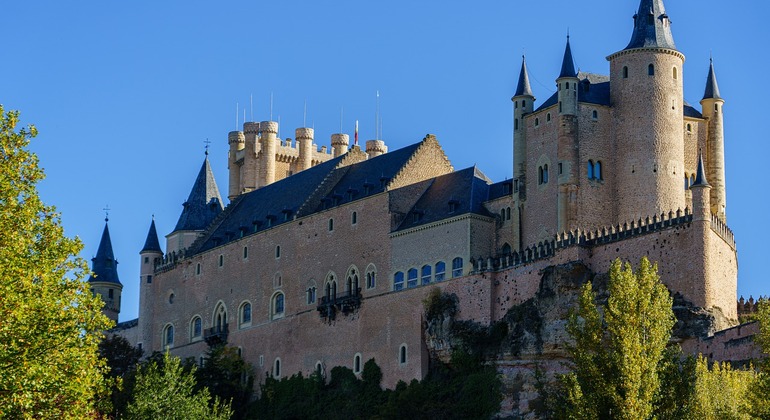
column 426, row 274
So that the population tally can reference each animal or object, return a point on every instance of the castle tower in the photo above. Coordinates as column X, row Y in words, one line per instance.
column 340, row 144
column 375, row 148
column 646, row 94
column 712, row 104
column 104, row 277
column 249, row 165
column 149, row 257
column 268, row 138
column 203, row 205
column 304, row 137
column 523, row 104
column 237, row 142
column 568, row 144
column 701, row 198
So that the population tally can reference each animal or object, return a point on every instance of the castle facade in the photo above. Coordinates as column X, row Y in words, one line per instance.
column 323, row 258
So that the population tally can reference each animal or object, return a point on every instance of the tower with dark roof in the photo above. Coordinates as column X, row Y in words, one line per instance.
column 104, row 276
column 150, row 256
column 712, row 104
column 203, row 205
column 567, row 168
column 523, row 105
column 646, row 92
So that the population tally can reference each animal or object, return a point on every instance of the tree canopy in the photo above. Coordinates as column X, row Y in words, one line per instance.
column 51, row 323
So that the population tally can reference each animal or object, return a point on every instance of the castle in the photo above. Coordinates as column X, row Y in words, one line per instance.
column 323, row 257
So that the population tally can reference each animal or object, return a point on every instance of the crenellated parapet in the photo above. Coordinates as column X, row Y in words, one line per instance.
column 720, row 228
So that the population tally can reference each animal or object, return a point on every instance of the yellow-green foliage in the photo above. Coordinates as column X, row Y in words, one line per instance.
column 51, row 323
column 618, row 350
column 721, row 393
column 759, row 395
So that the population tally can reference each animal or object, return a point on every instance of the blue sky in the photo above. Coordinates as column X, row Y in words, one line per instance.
column 124, row 94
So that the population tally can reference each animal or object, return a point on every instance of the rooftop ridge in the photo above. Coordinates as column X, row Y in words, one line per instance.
column 354, row 155
column 428, row 139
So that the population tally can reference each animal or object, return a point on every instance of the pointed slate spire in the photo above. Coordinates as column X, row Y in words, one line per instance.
column 104, row 267
column 652, row 27
column 523, row 88
column 700, row 177
column 712, row 89
column 204, row 203
column 568, row 63
column 151, row 244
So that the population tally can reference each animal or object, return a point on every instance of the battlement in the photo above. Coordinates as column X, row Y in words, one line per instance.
column 235, row 137
column 583, row 238
column 720, row 228
column 251, row 127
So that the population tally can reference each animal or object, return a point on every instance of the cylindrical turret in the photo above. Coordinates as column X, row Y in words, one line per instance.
column 150, row 256
column 340, row 144
column 375, row 148
column 712, row 104
column 647, row 99
column 269, row 131
column 523, row 105
column 304, row 137
column 568, row 152
column 249, row 165
column 236, row 140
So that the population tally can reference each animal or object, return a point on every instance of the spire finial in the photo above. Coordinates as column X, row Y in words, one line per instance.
column 206, row 147
column 106, row 213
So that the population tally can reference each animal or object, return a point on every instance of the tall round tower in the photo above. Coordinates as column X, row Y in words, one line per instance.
column 647, row 99
column 568, row 146
column 340, row 144
column 712, row 104
column 523, row 105
column 269, row 133
column 150, row 256
column 104, row 276
column 304, row 137
column 237, row 142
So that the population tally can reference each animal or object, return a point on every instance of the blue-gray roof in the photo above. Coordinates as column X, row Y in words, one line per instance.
column 652, row 27
column 449, row 195
column 700, row 178
column 203, row 204
column 523, row 88
column 567, row 63
column 712, row 89
column 151, row 244
column 592, row 89
column 501, row 189
column 690, row 111
column 104, row 266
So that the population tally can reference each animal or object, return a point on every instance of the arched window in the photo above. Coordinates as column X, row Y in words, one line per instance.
column 545, row 174
column 457, row 267
column 559, row 106
column 221, row 260
column 590, row 169
column 311, row 295
column 440, row 271
column 331, row 225
column 354, row 218
column 523, row 103
column 171, row 298
column 676, row 73
column 371, row 276
column 278, row 305
column 168, row 336
column 548, row 117
column 516, row 124
column 352, row 281
column 686, row 181
column 540, row 175
column 402, row 354
column 220, row 318
column 507, row 213
column 651, row 70
column 689, row 128
column 595, row 114
column 198, row 269
column 245, row 314
column 277, row 368
column 506, row 249
column 398, row 280
column 598, row 170
column 625, row 72
column 425, row 274
column 245, row 252
column 411, row 277
column 537, row 122
column 277, row 251
column 196, row 327
column 502, row 214
column 357, row 364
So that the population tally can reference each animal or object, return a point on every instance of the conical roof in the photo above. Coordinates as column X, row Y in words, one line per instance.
column 700, row 177
column 652, row 27
column 104, row 267
column 523, row 88
column 151, row 244
column 568, row 63
column 204, row 202
column 712, row 89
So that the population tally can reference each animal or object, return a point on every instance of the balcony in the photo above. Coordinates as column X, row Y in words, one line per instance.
column 345, row 302
column 216, row 335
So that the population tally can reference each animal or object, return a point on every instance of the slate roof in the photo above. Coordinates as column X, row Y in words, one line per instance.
column 593, row 89
column 449, row 195
column 652, row 28
column 203, row 204
column 712, row 89
column 523, row 88
column 104, row 266
column 700, row 178
column 690, row 111
column 567, row 63
column 151, row 243
column 501, row 189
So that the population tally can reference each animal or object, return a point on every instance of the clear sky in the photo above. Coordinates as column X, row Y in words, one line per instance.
column 124, row 94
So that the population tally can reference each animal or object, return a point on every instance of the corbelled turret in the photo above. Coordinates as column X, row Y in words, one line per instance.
column 104, row 277
column 652, row 27
column 713, row 104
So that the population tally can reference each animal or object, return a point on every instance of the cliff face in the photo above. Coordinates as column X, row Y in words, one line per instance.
column 532, row 335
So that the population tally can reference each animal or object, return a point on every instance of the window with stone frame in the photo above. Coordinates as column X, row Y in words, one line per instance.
column 425, row 274
column 440, row 271
column 398, row 280
column 411, row 278
column 457, row 267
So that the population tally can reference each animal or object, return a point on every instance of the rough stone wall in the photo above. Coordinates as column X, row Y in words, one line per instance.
column 539, row 218
column 596, row 145
column 505, row 231
column 734, row 345
column 428, row 161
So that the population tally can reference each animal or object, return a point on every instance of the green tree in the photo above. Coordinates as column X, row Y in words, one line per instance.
column 721, row 392
column 758, row 398
column 228, row 377
column 167, row 391
column 122, row 359
column 51, row 323
column 618, row 351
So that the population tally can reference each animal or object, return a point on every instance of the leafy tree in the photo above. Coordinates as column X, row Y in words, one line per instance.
column 51, row 323
column 122, row 359
column 758, row 398
column 228, row 377
column 166, row 390
column 721, row 392
column 618, row 351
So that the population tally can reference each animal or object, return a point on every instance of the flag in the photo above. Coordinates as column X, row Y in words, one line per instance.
column 355, row 138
